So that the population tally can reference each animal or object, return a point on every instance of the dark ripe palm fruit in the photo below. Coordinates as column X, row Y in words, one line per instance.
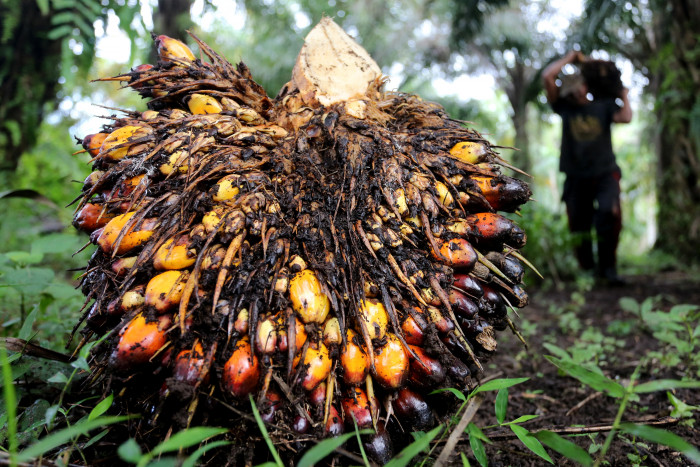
column 413, row 410
column 322, row 253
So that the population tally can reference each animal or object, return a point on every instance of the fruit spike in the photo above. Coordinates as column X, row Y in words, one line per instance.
column 334, row 254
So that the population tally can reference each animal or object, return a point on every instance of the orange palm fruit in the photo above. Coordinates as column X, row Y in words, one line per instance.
column 117, row 144
column 300, row 334
column 456, row 253
column 470, row 152
column 174, row 254
column 413, row 328
column 139, row 340
column 488, row 228
column 92, row 143
column 318, row 366
column 354, row 359
column 201, row 104
column 308, row 300
column 189, row 365
column 173, row 50
column 373, row 316
column 356, row 407
column 91, row 217
column 426, row 372
column 164, row 291
column 242, row 370
column 131, row 239
column 391, row 364
column 503, row 193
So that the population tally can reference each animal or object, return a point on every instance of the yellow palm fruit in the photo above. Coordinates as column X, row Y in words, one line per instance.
column 373, row 316
column 200, row 104
column 173, row 50
column 308, row 300
column 131, row 239
column 164, row 291
column 444, row 194
column 226, row 188
column 212, row 219
column 469, row 152
column 331, row 332
column 174, row 256
column 122, row 136
column 266, row 338
column 122, row 265
column 132, row 299
column 149, row 115
column 176, row 162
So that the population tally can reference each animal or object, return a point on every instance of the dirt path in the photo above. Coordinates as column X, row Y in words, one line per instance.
column 592, row 323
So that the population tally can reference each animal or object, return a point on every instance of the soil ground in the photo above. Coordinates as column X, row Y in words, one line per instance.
column 561, row 401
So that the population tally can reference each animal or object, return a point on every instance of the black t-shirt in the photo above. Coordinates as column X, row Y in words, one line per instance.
column 586, row 145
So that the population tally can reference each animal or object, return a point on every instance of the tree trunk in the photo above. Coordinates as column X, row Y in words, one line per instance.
column 29, row 73
column 678, row 111
column 516, row 91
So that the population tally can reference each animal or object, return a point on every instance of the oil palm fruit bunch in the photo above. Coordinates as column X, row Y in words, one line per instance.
column 334, row 255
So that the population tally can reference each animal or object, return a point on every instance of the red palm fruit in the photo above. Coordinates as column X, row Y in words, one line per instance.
column 391, row 363
column 456, row 253
column 242, row 370
column 189, row 365
column 317, row 397
column 493, row 307
column 492, row 230
column 426, row 372
column 441, row 322
column 378, row 445
column 92, row 216
column 356, row 406
column 354, row 359
column 317, row 363
column 93, row 143
column 121, row 266
column 412, row 332
column 468, row 285
column 124, row 188
column 413, row 410
column 334, row 424
column 139, row 341
column 503, row 193
column 462, row 305
column 135, row 236
column 271, row 403
column 301, row 424
column 508, row 265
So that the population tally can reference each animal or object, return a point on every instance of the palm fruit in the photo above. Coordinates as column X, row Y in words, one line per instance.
column 329, row 253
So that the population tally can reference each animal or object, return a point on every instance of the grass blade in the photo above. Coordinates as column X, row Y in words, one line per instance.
column 58, row 438
column 186, row 438
column 415, row 448
column 263, row 430
column 326, row 447
column 531, row 442
column 191, row 461
column 589, row 378
column 10, row 405
column 564, row 447
column 666, row 438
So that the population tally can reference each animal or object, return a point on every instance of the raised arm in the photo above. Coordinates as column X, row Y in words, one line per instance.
column 624, row 115
column 549, row 75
